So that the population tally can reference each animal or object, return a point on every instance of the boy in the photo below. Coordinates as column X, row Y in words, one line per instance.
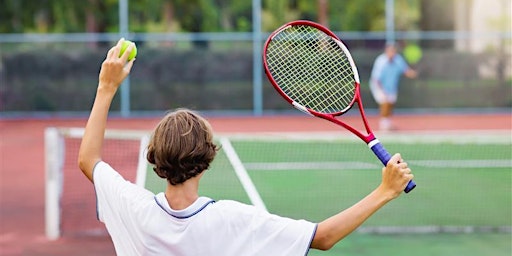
column 179, row 221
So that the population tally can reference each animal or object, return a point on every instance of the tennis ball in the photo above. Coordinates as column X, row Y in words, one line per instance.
column 412, row 53
column 125, row 45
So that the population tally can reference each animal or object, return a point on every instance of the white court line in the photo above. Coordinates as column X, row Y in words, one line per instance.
column 434, row 229
column 487, row 163
column 242, row 174
column 279, row 166
column 502, row 137
column 311, row 165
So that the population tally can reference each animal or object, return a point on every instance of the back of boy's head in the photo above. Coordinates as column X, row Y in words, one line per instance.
column 181, row 146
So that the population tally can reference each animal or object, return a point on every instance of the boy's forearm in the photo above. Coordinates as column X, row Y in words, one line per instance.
column 342, row 224
column 92, row 141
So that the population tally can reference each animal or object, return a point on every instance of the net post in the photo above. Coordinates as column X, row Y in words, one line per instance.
column 54, row 155
column 142, row 164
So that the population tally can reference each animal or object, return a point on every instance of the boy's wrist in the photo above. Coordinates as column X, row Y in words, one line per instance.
column 106, row 89
column 385, row 193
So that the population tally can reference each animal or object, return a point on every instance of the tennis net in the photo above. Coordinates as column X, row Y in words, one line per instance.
column 70, row 201
column 464, row 179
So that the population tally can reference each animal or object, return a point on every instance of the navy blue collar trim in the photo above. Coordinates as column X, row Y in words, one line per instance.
column 190, row 211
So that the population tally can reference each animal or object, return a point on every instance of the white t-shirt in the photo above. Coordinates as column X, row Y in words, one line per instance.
column 142, row 223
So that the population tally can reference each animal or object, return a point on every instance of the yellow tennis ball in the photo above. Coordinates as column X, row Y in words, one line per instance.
column 412, row 53
column 125, row 45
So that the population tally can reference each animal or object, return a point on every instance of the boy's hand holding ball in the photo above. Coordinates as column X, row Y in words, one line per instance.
column 113, row 71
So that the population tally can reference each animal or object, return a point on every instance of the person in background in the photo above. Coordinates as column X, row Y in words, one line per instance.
column 384, row 81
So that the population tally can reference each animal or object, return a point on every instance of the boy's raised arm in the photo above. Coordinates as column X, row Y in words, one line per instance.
column 113, row 71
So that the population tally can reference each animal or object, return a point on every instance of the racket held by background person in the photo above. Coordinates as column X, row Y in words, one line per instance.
column 313, row 70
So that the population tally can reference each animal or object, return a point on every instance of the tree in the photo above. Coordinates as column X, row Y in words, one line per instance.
column 18, row 16
column 323, row 8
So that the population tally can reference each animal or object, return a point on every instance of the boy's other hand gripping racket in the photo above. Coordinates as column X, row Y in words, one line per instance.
column 314, row 71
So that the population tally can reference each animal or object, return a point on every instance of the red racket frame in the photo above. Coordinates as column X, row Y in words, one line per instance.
column 372, row 142
column 331, row 116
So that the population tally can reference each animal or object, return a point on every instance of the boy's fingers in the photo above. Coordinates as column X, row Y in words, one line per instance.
column 395, row 158
column 127, row 52
column 110, row 52
column 117, row 48
column 120, row 42
column 129, row 65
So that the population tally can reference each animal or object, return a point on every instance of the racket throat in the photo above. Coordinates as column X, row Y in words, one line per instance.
column 373, row 142
column 301, row 108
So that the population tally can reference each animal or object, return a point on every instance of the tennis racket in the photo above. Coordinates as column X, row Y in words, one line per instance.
column 313, row 70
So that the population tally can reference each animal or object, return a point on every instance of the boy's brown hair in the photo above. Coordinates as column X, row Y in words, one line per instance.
column 181, row 146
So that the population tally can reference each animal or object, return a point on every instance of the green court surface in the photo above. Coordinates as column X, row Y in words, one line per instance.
column 461, row 206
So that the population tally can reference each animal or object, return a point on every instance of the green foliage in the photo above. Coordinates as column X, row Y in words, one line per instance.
column 357, row 15
column 62, row 16
column 407, row 14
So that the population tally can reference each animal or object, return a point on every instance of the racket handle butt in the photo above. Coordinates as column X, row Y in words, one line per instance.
column 410, row 186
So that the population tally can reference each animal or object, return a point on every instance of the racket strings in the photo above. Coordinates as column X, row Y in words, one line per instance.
column 312, row 69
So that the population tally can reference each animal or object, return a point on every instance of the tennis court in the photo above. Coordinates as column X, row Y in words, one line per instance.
column 462, row 205
column 453, row 211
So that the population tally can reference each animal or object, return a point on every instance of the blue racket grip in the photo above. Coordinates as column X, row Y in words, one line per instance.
column 384, row 157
